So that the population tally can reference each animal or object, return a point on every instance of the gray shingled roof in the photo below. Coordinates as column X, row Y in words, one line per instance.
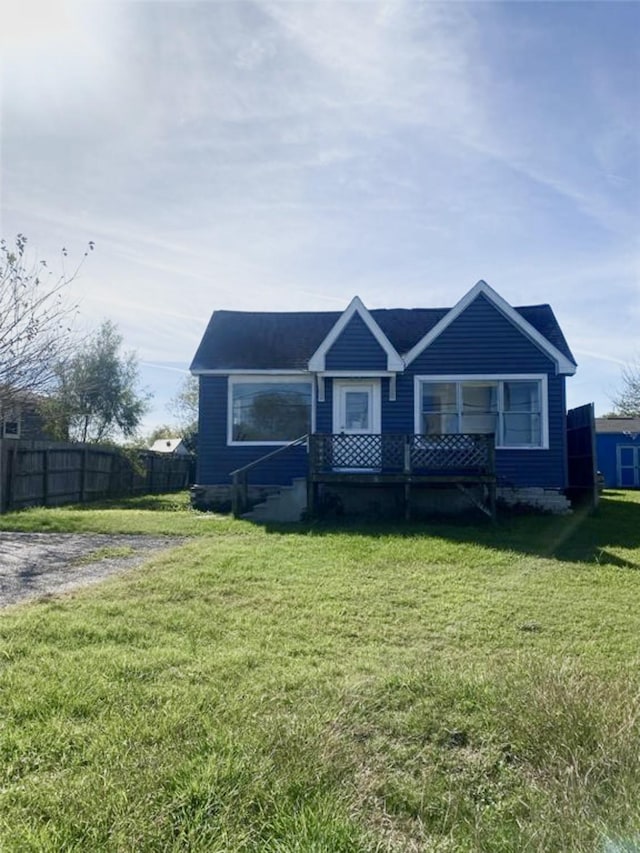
column 280, row 340
column 619, row 424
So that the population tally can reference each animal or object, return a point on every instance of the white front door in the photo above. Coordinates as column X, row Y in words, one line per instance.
column 356, row 412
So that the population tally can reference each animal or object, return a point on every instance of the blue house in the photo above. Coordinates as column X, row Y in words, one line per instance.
column 393, row 408
column 618, row 451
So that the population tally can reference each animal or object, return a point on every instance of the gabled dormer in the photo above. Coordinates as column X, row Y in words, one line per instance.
column 482, row 291
column 356, row 343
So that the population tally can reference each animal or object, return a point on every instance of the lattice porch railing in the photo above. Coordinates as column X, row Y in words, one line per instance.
column 397, row 454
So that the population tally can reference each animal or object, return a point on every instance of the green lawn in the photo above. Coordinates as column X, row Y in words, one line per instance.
column 449, row 687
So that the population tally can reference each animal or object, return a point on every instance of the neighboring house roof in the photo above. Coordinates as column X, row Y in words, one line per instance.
column 239, row 340
column 619, row 424
column 169, row 445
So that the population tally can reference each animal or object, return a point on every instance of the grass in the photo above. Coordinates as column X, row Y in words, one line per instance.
column 451, row 687
column 108, row 553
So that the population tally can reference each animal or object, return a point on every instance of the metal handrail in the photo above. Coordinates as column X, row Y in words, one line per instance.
column 239, row 495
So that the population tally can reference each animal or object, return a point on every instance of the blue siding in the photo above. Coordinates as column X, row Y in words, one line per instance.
column 480, row 341
column 356, row 349
column 606, row 449
column 324, row 411
column 607, row 444
column 483, row 341
column 216, row 459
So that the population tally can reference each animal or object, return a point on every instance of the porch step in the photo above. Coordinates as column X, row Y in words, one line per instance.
column 287, row 504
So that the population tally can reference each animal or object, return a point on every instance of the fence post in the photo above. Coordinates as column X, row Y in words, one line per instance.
column 45, row 477
column 235, row 496
column 12, row 464
column 3, row 456
column 407, row 454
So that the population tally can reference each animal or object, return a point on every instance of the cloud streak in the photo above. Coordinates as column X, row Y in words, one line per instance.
column 268, row 155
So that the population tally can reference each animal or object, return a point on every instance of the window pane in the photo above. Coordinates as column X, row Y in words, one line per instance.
column 522, row 429
column 10, row 424
column 356, row 410
column 439, row 408
column 439, row 424
column 479, row 397
column 479, row 407
column 479, row 423
column 522, row 396
column 439, row 397
column 271, row 411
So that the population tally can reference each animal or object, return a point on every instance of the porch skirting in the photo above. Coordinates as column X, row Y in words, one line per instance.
column 382, row 501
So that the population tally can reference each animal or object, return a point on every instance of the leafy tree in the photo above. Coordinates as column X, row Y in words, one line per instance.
column 628, row 400
column 162, row 431
column 98, row 398
column 184, row 407
column 35, row 321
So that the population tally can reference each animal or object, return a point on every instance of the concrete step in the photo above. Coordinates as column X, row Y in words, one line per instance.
column 286, row 505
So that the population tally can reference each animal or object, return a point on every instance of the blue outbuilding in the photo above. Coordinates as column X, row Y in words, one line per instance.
column 618, row 450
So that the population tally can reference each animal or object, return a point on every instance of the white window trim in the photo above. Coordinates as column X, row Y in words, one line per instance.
column 14, row 416
column 492, row 377
column 266, row 378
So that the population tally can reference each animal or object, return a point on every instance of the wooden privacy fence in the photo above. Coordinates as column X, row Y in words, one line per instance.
column 47, row 473
column 581, row 454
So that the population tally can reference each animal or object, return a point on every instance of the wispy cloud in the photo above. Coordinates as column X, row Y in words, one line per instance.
column 257, row 155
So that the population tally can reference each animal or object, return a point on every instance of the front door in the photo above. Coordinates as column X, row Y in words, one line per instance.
column 356, row 424
column 629, row 466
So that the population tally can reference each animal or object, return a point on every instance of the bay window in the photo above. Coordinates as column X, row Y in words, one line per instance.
column 268, row 411
column 513, row 408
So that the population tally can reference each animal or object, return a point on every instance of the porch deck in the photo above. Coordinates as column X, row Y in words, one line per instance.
column 404, row 459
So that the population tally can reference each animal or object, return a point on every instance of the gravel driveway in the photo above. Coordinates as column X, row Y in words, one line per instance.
column 35, row 564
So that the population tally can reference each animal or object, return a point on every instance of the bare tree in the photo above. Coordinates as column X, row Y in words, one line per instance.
column 628, row 400
column 35, row 321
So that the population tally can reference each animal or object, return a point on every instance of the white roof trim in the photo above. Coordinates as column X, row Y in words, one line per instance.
column 563, row 364
column 317, row 360
column 354, row 374
column 250, row 371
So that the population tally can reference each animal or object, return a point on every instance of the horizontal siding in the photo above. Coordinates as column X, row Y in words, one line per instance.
column 324, row 410
column 607, row 453
column 482, row 340
column 356, row 349
column 216, row 459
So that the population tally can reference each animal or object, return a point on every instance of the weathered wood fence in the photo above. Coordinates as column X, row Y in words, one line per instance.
column 43, row 473
column 581, row 454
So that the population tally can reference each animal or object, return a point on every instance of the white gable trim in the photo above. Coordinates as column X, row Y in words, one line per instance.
column 563, row 364
column 317, row 360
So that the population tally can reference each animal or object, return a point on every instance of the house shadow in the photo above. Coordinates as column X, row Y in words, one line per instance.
column 584, row 536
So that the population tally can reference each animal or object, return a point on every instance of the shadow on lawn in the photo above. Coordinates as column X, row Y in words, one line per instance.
column 583, row 536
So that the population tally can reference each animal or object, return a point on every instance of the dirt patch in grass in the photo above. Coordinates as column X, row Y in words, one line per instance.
column 37, row 564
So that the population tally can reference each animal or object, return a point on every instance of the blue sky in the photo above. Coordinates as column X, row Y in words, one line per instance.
column 274, row 156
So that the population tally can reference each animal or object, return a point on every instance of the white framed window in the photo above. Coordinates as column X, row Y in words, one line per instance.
column 11, row 424
column 269, row 409
column 514, row 408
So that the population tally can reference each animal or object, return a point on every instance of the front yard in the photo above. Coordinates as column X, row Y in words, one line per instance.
column 326, row 688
